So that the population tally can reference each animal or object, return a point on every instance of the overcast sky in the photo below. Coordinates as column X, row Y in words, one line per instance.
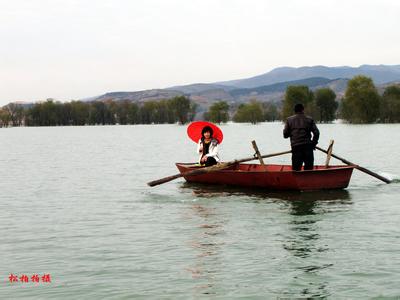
column 72, row 49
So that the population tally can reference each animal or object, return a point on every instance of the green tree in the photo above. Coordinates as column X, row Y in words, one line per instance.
column 271, row 112
column 163, row 112
column 390, row 105
column 133, row 114
column 100, row 113
column 148, row 112
column 361, row 102
column 5, row 118
column 121, row 111
column 49, row 111
column 192, row 112
column 80, row 113
column 64, row 112
column 326, row 105
column 251, row 112
column 33, row 115
column 107, row 112
column 15, row 112
column 116, row 111
column 297, row 94
column 218, row 112
column 97, row 113
column 182, row 108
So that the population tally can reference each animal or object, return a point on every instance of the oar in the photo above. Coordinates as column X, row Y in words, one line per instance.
column 212, row 168
column 356, row 166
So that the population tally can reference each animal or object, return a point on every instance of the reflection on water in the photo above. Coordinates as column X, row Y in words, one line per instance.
column 208, row 191
column 207, row 247
column 301, row 239
column 303, row 233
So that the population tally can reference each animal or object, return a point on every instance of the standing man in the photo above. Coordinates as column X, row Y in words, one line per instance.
column 299, row 128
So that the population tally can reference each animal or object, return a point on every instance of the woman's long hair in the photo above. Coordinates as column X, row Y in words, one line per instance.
column 206, row 129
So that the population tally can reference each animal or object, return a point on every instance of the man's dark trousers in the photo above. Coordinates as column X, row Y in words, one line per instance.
column 303, row 154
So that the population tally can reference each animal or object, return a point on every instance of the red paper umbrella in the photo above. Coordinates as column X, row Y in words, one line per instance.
column 194, row 131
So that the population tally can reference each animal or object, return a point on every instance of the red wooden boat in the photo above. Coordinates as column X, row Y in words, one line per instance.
column 273, row 177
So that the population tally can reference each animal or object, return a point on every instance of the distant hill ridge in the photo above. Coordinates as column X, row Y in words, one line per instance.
column 140, row 96
column 281, row 86
column 265, row 87
column 379, row 73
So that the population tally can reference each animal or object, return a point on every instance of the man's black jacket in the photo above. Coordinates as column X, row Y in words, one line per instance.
column 299, row 127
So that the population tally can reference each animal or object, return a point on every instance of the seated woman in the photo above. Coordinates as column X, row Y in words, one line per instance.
column 207, row 148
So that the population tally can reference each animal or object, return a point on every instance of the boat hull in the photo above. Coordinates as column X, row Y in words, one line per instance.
column 273, row 177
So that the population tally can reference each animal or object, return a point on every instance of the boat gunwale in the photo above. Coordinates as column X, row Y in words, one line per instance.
column 330, row 168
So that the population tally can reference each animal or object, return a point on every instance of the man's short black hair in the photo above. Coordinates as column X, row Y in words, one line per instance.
column 298, row 107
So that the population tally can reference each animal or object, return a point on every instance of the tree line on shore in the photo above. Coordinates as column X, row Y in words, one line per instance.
column 360, row 104
column 53, row 113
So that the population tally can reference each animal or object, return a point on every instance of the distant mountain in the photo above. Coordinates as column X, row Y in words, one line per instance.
column 207, row 94
column 281, row 86
column 381, row 88
column 268, row 87
column 200, row 87
column 379, row 73
column 275, row 92
column 205, row 97
column 139, row 96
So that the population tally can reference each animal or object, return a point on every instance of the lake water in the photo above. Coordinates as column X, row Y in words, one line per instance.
column 74, row 205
